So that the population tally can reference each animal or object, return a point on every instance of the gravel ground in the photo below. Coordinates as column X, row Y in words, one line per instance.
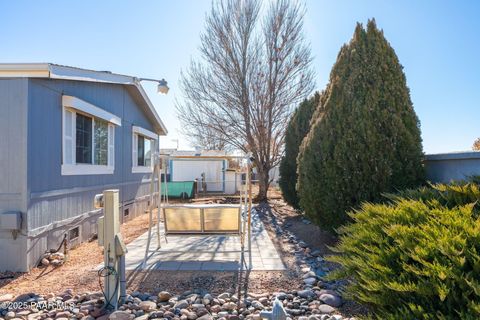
column 289, row 231
column 77, row 273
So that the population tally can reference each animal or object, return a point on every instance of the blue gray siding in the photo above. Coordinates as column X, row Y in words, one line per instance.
column 13, row 164
column 54, row 197
column 31, row 159
column 57, row 203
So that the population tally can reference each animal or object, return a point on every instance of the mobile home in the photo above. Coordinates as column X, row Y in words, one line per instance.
column 67, row 134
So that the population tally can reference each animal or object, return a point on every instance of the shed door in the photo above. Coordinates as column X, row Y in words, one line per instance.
column 189, row 170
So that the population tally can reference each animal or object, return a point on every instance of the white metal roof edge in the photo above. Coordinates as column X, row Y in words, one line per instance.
column 55, row 71
column 460, row 155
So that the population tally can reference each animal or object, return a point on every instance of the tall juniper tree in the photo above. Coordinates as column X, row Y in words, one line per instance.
column 367, row 139
column 297, row 129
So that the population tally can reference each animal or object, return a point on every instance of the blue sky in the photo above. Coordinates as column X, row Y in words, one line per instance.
column 438, row 43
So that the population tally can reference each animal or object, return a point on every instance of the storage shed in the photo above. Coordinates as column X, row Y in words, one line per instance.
column 210, row 165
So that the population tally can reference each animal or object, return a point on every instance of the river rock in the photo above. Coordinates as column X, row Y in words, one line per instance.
column 281, row 296
column 229, row 306
column 224, row 296
column 216, row 309
column 307, row 293
column 6, row 297
column 156, row 314
column 23, row 297
column 121, row 315
column 164, row 296
column 331, row 300
column 310, row 281
column 182, row 304
column 9, row 315
column 148, row 306
column 325, row 309
column 257, row 305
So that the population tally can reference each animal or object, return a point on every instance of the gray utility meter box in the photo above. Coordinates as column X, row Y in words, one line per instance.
column 11, row 220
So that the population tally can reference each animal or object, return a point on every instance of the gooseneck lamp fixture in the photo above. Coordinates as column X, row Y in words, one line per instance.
column 162, row 86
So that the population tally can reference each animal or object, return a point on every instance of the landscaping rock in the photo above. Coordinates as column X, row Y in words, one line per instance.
column 307, row 293
column 281, row 296
column 9, row 315
column 229, row 306
column 331, row 300
column 257, row 305
column 182, row 304
column 325, row 308
column 302, row 244
column 164, row 296
column 6, row 297
column 224, row 296
column 156, row 314
column 148, row 306
column 121, row 315
column 310, row 281
column 216, row 309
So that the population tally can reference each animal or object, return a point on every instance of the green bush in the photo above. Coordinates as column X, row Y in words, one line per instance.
column 297, row 129
column 366, row 141
column 416, row 256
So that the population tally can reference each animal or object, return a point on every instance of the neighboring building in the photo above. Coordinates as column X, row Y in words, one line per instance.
column 274, row 175
column 452, row 166
column 66, row 135
column 186, row 165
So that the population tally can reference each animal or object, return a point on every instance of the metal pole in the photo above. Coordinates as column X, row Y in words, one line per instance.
column 165, row 197
column 123, row 281
column 159, row 188
column 249, row 218
column 150, row 218
column 165, row 180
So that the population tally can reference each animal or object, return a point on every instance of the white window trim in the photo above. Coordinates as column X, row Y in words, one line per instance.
column 75, row 106
column 136, row 131
column 79, row 104
column 85, row 169
column 145, row 132
column 140, row 169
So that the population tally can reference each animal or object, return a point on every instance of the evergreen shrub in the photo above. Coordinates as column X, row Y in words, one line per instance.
column 366, row 139
column 416, row 256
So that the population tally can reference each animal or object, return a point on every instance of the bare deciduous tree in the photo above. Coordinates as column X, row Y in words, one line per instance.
column 254, row 68
column 476, row 145
column 206, row 138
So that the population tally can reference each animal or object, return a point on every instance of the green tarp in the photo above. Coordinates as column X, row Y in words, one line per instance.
column 179, row 189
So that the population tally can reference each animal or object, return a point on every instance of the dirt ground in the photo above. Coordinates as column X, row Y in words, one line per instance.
column 78, row 271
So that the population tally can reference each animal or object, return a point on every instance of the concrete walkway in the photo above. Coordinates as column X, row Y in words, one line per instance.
column 204, row 252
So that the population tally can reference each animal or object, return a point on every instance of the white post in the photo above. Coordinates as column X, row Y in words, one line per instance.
column 111, row 228
column 249, row 217
column 159, row 198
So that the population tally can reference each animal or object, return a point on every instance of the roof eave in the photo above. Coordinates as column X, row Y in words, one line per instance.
column 54, row 71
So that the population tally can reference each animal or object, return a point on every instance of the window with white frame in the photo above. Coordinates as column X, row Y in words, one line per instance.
column 143, row 144
column 88, row 138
